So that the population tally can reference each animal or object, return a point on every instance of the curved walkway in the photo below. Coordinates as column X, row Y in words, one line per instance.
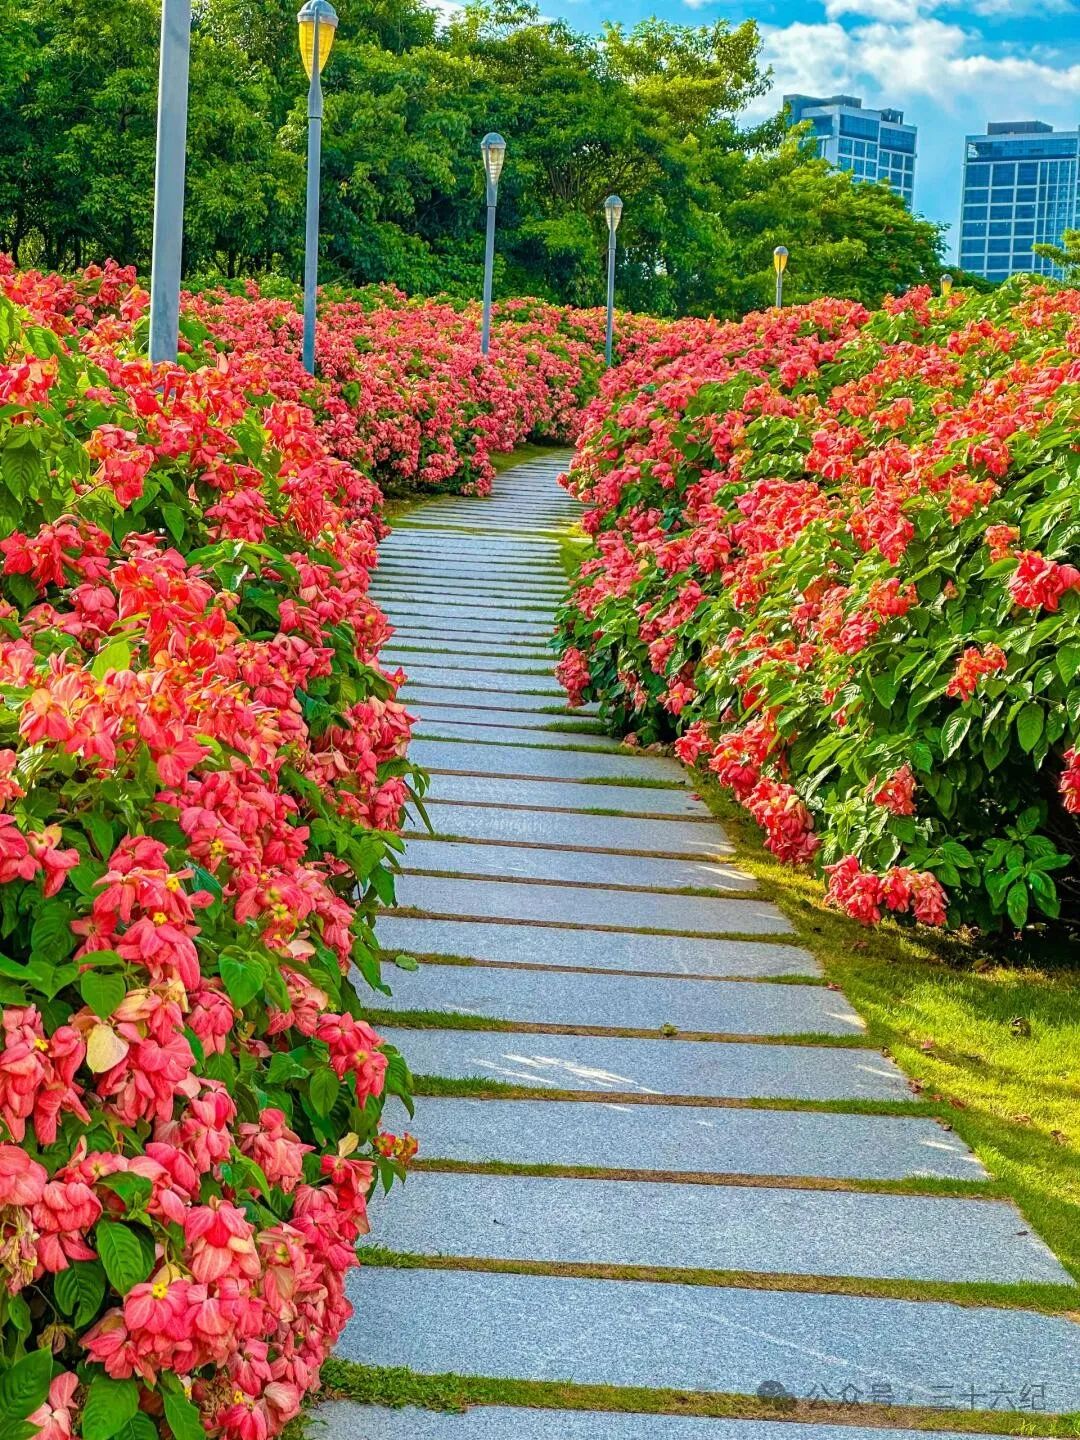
column 656, row 1153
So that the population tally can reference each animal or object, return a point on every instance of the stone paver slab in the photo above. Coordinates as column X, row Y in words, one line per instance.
column 484, row 621
column 569, row 795
column 711, row 1227
column 597, row 832
column 410, row 656
column 451, row 639
column 456, row 604
column 631, row 1002
column 524, row 580
column 445, row 587
column 604, row 1064
column 596, row 950
column 691, row 1138
column 438, row 729
column 704, row 1338
column 570, row 867
column 485, row 700
column 537, row 763
column 562, row 726
column 488, row 678
column 559, row 904
column 346, row 1420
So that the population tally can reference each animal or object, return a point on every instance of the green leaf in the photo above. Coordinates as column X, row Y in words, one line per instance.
column 139, row 1427
column 126, row 1261
column 101, row 833
column 1016, row 903
column 110, row 1404
column 25, row 1386
column 1029, row 727
column 79, row 1290
column 406, row 962
column 283, row 1067
column 323, row 1090
column 51, row 932
column 885, row 687
column 174, row 519
column 134, row 1190
column 115, row 656
column 1068, row 662
column 103, row 993
column 243, row 979
column 182, row 1415
column 953, row 733
column 20, row 463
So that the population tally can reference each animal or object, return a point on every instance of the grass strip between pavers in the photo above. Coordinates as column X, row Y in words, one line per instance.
column 391, row 957
column 1047, row 1299
column 452, row 1020
column 699, row 892
column 938, row 1187
column 397, row 1387
column 484, row 1089
column 747, row 937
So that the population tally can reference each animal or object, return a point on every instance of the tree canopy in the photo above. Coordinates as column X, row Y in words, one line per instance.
column 652, row 112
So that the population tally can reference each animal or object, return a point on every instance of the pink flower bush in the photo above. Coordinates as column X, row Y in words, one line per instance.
column 835, row 559
column 202, row 764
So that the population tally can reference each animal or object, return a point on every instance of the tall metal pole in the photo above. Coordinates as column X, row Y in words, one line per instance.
column 608, row 344
column 780, row 262
column 169, row 179
column 489, row 266
column 311, row 234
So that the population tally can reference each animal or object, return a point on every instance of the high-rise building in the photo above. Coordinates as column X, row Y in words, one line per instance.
column 872, row 144
column 1021, row 188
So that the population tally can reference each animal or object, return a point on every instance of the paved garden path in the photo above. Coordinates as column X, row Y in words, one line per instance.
column 650, row 1035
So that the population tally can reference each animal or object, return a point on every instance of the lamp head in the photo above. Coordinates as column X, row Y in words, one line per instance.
column 780, row 259
column 613, row 208
column 493, row 149
column 947, row 283
column 323, row 12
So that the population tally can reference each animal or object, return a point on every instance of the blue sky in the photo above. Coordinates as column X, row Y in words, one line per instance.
column 951, row 68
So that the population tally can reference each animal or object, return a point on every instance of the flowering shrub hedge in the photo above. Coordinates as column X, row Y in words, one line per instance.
column 404, row 390
column 199, row 761
column 833, row 556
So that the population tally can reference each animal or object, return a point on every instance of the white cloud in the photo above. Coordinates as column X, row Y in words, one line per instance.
column 924, row 57
column 948, row 78
column 906, row 12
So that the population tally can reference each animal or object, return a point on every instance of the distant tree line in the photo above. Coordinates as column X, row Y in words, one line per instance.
column 651, row 113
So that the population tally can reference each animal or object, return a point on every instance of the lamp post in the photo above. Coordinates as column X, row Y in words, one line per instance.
column 779, row 260
column 946, row 286
column 317, row 22
column 169, row 165
column 613, row 208
column 493, row 149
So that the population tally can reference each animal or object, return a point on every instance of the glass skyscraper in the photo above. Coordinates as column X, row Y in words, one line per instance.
column 1021, row 187
column 872, row 144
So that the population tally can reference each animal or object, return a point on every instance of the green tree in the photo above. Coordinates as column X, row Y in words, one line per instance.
column 1066, row 255
column 652, row 112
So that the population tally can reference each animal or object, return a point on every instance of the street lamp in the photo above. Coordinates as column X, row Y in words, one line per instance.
column 779, row 260
column 493, row 149
column 613, row 208
column 169, row 165
column 947, row 283
column 317, row 22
